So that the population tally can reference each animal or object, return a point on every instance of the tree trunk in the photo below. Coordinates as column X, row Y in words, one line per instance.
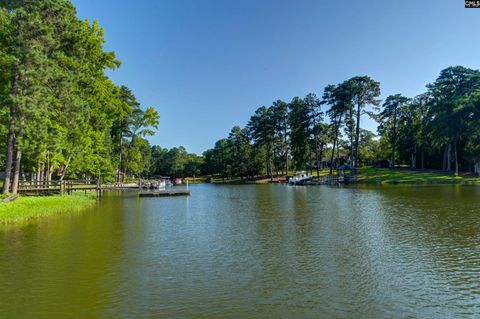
column 40, row 172
column 285, row 139
column 119, row 170
column 271, row 164
column 66, row 167
column 309, row 162
column 352, row 126
column 37, row 175
column 414, row 157
column 333, row 155
column 449, row 160
column 338, row 154
column 394, row 137
column 316, row 158
column 49, row 173
column 11, row 134
column 286, row 164
column 18, row 157
column 16, row 174
column 423, row 159
column 357, row 136
column 456, row 158
column 444, row 161
column 337, row 129
column 321, row 156
column 277, row 164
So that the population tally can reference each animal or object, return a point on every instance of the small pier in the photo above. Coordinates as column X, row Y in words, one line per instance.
column 145, row 187
column 165, row 193
column 333, row 180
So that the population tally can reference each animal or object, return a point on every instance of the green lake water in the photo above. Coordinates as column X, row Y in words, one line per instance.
column 251, row 251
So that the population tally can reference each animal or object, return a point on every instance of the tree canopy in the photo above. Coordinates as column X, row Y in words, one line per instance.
column 61, row 113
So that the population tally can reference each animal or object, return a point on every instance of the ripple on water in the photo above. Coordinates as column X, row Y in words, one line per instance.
column 251, row 251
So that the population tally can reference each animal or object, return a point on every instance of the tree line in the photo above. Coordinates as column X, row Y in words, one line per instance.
column 60, row 113
column 438, row 129
column 62, row 117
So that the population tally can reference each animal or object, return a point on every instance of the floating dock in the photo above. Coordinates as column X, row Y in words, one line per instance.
column 165, row 193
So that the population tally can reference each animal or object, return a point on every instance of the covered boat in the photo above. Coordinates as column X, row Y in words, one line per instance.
column 300, row 178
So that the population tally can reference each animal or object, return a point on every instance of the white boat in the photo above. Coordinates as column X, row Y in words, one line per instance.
column 300, row 178
column 158, row 185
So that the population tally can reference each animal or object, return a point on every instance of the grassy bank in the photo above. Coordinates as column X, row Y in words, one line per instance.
column 28, row 208
column 197, row 180
column 407, row 176
column 238, row 180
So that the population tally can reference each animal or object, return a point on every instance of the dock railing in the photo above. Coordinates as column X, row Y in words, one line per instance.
column 335, row 179
column 57, row 186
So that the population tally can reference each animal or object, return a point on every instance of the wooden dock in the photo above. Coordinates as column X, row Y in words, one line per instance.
column 333, row 180
column 69, row 186
column 165, row 193
column 57, row 187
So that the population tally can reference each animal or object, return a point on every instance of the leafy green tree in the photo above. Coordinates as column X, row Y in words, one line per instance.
column 139, row 156
column 238, row 152
column 58, row 107
column 322, row 137
column 363, row 92
column 132, row 122
column 313, row 105
column 194, row 165
column 450, row 111
column 216, row 158
column 261, row 128
column 339, row 102
column 281, row 133
column 299, row 119
column 392, row 109
column 369, row 146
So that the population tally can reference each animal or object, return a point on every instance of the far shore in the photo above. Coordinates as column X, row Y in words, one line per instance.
column 367, row 175
column 27, row 208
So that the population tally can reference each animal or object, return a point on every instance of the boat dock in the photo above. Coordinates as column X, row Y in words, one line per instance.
column 165, row 193
column 145, row 187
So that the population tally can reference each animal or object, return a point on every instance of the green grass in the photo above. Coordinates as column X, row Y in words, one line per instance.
column 33, row 207
column 197, row 180
column 371, row 175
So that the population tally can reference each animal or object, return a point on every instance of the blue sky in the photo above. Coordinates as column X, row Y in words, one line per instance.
column 206, row 65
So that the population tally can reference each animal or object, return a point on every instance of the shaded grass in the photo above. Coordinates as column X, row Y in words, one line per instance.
column 371, row 175
column 28, row 208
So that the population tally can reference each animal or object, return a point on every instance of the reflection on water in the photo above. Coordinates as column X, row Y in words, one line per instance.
column 269, row 251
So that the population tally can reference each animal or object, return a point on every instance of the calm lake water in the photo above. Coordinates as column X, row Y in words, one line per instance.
column 248, row 251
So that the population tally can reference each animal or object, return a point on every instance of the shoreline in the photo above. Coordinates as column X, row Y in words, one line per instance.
column 28, row 208
column 377, row 176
